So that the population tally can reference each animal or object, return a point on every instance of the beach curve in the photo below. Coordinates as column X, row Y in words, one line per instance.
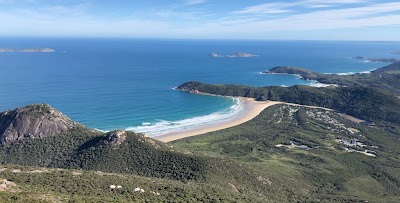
column 251, row 109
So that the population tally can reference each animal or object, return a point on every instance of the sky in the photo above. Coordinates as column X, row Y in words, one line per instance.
column 377, row 20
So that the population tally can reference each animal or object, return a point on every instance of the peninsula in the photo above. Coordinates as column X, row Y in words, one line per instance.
column 387, row 77
column 383, row 60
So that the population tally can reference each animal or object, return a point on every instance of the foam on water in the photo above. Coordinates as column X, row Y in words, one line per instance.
column 164, row 127
column 352, row 73
column 103, row 131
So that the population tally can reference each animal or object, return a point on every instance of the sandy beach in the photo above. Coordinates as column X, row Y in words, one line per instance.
column 251, row 109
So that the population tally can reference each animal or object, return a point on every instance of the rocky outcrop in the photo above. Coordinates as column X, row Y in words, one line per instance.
column 189, row 87
column 33, row 121
column 116, row 137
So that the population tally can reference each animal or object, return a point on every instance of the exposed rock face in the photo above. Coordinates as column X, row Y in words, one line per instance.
column 33, row 121
column 116, row 137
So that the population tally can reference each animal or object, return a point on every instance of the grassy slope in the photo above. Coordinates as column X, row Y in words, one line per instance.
column 324, row 172
column 193, row 177
column 61, row 185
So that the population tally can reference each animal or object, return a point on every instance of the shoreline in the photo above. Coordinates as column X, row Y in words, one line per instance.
column 313, row 83
column 251, row 109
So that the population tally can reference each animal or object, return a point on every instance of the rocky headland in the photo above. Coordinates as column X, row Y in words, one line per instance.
column 382, row 60
column 33, row 121
column 303, row 73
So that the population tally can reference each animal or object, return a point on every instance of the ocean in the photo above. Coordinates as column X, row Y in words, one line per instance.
column 112, row 84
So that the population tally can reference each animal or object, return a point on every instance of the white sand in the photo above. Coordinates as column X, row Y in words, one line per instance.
column 251, row 109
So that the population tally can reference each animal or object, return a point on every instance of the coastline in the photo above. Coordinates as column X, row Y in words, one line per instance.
column 251, row 109
column 313, row 83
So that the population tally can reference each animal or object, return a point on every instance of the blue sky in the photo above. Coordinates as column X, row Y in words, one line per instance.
column 204, row 19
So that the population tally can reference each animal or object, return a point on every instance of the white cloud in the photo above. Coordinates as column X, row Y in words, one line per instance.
column 333, row 1
column 359, row 17
column 194, row 2
column 285, row 7
column 75, row 21
column 180, row 14
column 267, row 8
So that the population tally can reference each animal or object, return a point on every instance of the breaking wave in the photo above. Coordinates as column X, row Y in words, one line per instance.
column 164, row 127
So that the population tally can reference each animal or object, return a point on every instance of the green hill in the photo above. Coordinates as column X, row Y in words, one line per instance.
column 298, row 147
column 187, row 177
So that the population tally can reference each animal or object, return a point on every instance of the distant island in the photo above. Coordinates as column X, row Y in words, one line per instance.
column 397, row 52
column 383, row 60
column 233, row 55
column 28, row 50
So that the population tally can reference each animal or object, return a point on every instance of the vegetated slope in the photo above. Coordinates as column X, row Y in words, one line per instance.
column 367, row 103
column 144, row 157
column 74, row 146
column 309, row 151
column 124, row 152
column 82, row 149
column 32, row 184
column 387, row 78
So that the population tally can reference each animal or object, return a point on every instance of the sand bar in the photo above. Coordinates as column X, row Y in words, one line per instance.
column 251, row 109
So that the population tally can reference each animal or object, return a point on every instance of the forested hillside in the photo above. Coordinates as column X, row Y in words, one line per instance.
column 370, row 104
column 385, row 78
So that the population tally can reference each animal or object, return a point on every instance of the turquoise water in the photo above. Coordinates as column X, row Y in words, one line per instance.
column 128, row 83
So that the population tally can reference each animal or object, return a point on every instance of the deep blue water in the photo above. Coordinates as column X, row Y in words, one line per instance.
column 124, row 83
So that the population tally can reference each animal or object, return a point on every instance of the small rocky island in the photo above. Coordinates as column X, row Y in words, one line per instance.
column 28, row 50
column 233, row 55
column 383, row 60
